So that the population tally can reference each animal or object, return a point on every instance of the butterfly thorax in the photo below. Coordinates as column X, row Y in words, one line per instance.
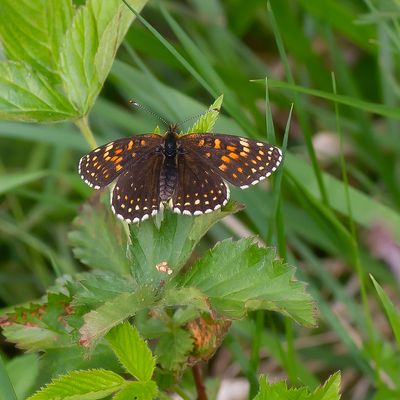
column 170, row 142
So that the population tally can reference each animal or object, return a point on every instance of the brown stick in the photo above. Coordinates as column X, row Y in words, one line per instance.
column 198, row 379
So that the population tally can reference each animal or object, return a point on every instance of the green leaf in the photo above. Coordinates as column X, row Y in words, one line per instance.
column 99, row 322
column 83, row 385
column 35, row 38
column 173, row 348
column 27, row 95
column 391, row 311
column 132, row 351
column 240, row 276
column 207, row 121
column 90, row 46
column 92, row 289
column 98, row 239
column 279, row 390
column 172, row 242
column 139, row 391
column 39, row 326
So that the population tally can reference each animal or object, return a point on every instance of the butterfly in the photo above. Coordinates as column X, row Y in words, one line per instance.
column 187, row 171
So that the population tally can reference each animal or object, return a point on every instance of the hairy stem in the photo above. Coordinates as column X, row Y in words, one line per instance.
column 198, row 379
column 83, row 125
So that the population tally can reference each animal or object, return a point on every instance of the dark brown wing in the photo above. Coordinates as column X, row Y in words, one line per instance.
column 240, row 161
column 199, row 189
column 102, row 165
column 136, row 195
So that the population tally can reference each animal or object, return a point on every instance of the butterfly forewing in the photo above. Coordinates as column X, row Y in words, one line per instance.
column 135, row 196
column 240, row 161
column 199, row 190
column 102, row 165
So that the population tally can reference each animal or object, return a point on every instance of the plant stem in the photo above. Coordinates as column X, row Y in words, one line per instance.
column 83, row 125
column 198, row 379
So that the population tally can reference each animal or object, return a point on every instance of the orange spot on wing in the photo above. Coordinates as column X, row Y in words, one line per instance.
column 233, row 156
column 142, row 142
column 113, row 158
column 243, row 154
column 201, row 142
column 118, row 160
column 231, row 148
column 208, row 155
column 240, row 170
column 118, row 167
column 130, row 144
column 119, row 151
column 234, row 175
column 223, row 167
column 217, row 144
column 226, row 159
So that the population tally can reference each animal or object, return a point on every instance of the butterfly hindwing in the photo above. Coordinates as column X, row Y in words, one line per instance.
column 102, row 165
column 199, row 190
column 136, row 194
column 240, row 161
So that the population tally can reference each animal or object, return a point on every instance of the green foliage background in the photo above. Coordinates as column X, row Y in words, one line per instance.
column 335, row 217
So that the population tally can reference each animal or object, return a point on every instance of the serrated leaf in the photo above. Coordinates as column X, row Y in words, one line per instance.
column 207, row 121
column 139, row 391
column 391, row 311
column 173, row 348
column 240, row 276
column 92, row 289
column 172, row 242
column 279, row 390
column 99, row 322
column 99, row 240
column 35, row 38
column 189, row 301
column 90, row 45
column 27, row 95
column 83, row 385
column 132, row 351
column 39, row 326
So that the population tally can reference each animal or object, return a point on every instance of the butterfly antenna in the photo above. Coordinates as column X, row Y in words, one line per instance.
column 149, row 110
column 196, row 116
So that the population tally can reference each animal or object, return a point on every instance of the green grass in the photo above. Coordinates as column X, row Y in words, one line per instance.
column 317, row 213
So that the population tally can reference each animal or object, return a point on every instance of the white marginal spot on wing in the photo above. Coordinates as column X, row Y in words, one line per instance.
column 217, row 207
column 177, row 210
column 120, row 217
column 145, row 216
column 244, row 187
column 208, row 211
column 154, row 212
column 255, row 182
column 97, row 187
column 198, row 212
column 186, row 212
column 136, row 220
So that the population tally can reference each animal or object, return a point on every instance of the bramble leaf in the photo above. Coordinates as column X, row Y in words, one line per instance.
column 90, row 45
column 83, row 385
column 99, row 240
column 138, row 390
column 240, row 276
column 279, row 390
column 173, row 348
column 172, row 242
column 132, row 351
column 27, row 95
column 99, row 322
column 35, row 38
